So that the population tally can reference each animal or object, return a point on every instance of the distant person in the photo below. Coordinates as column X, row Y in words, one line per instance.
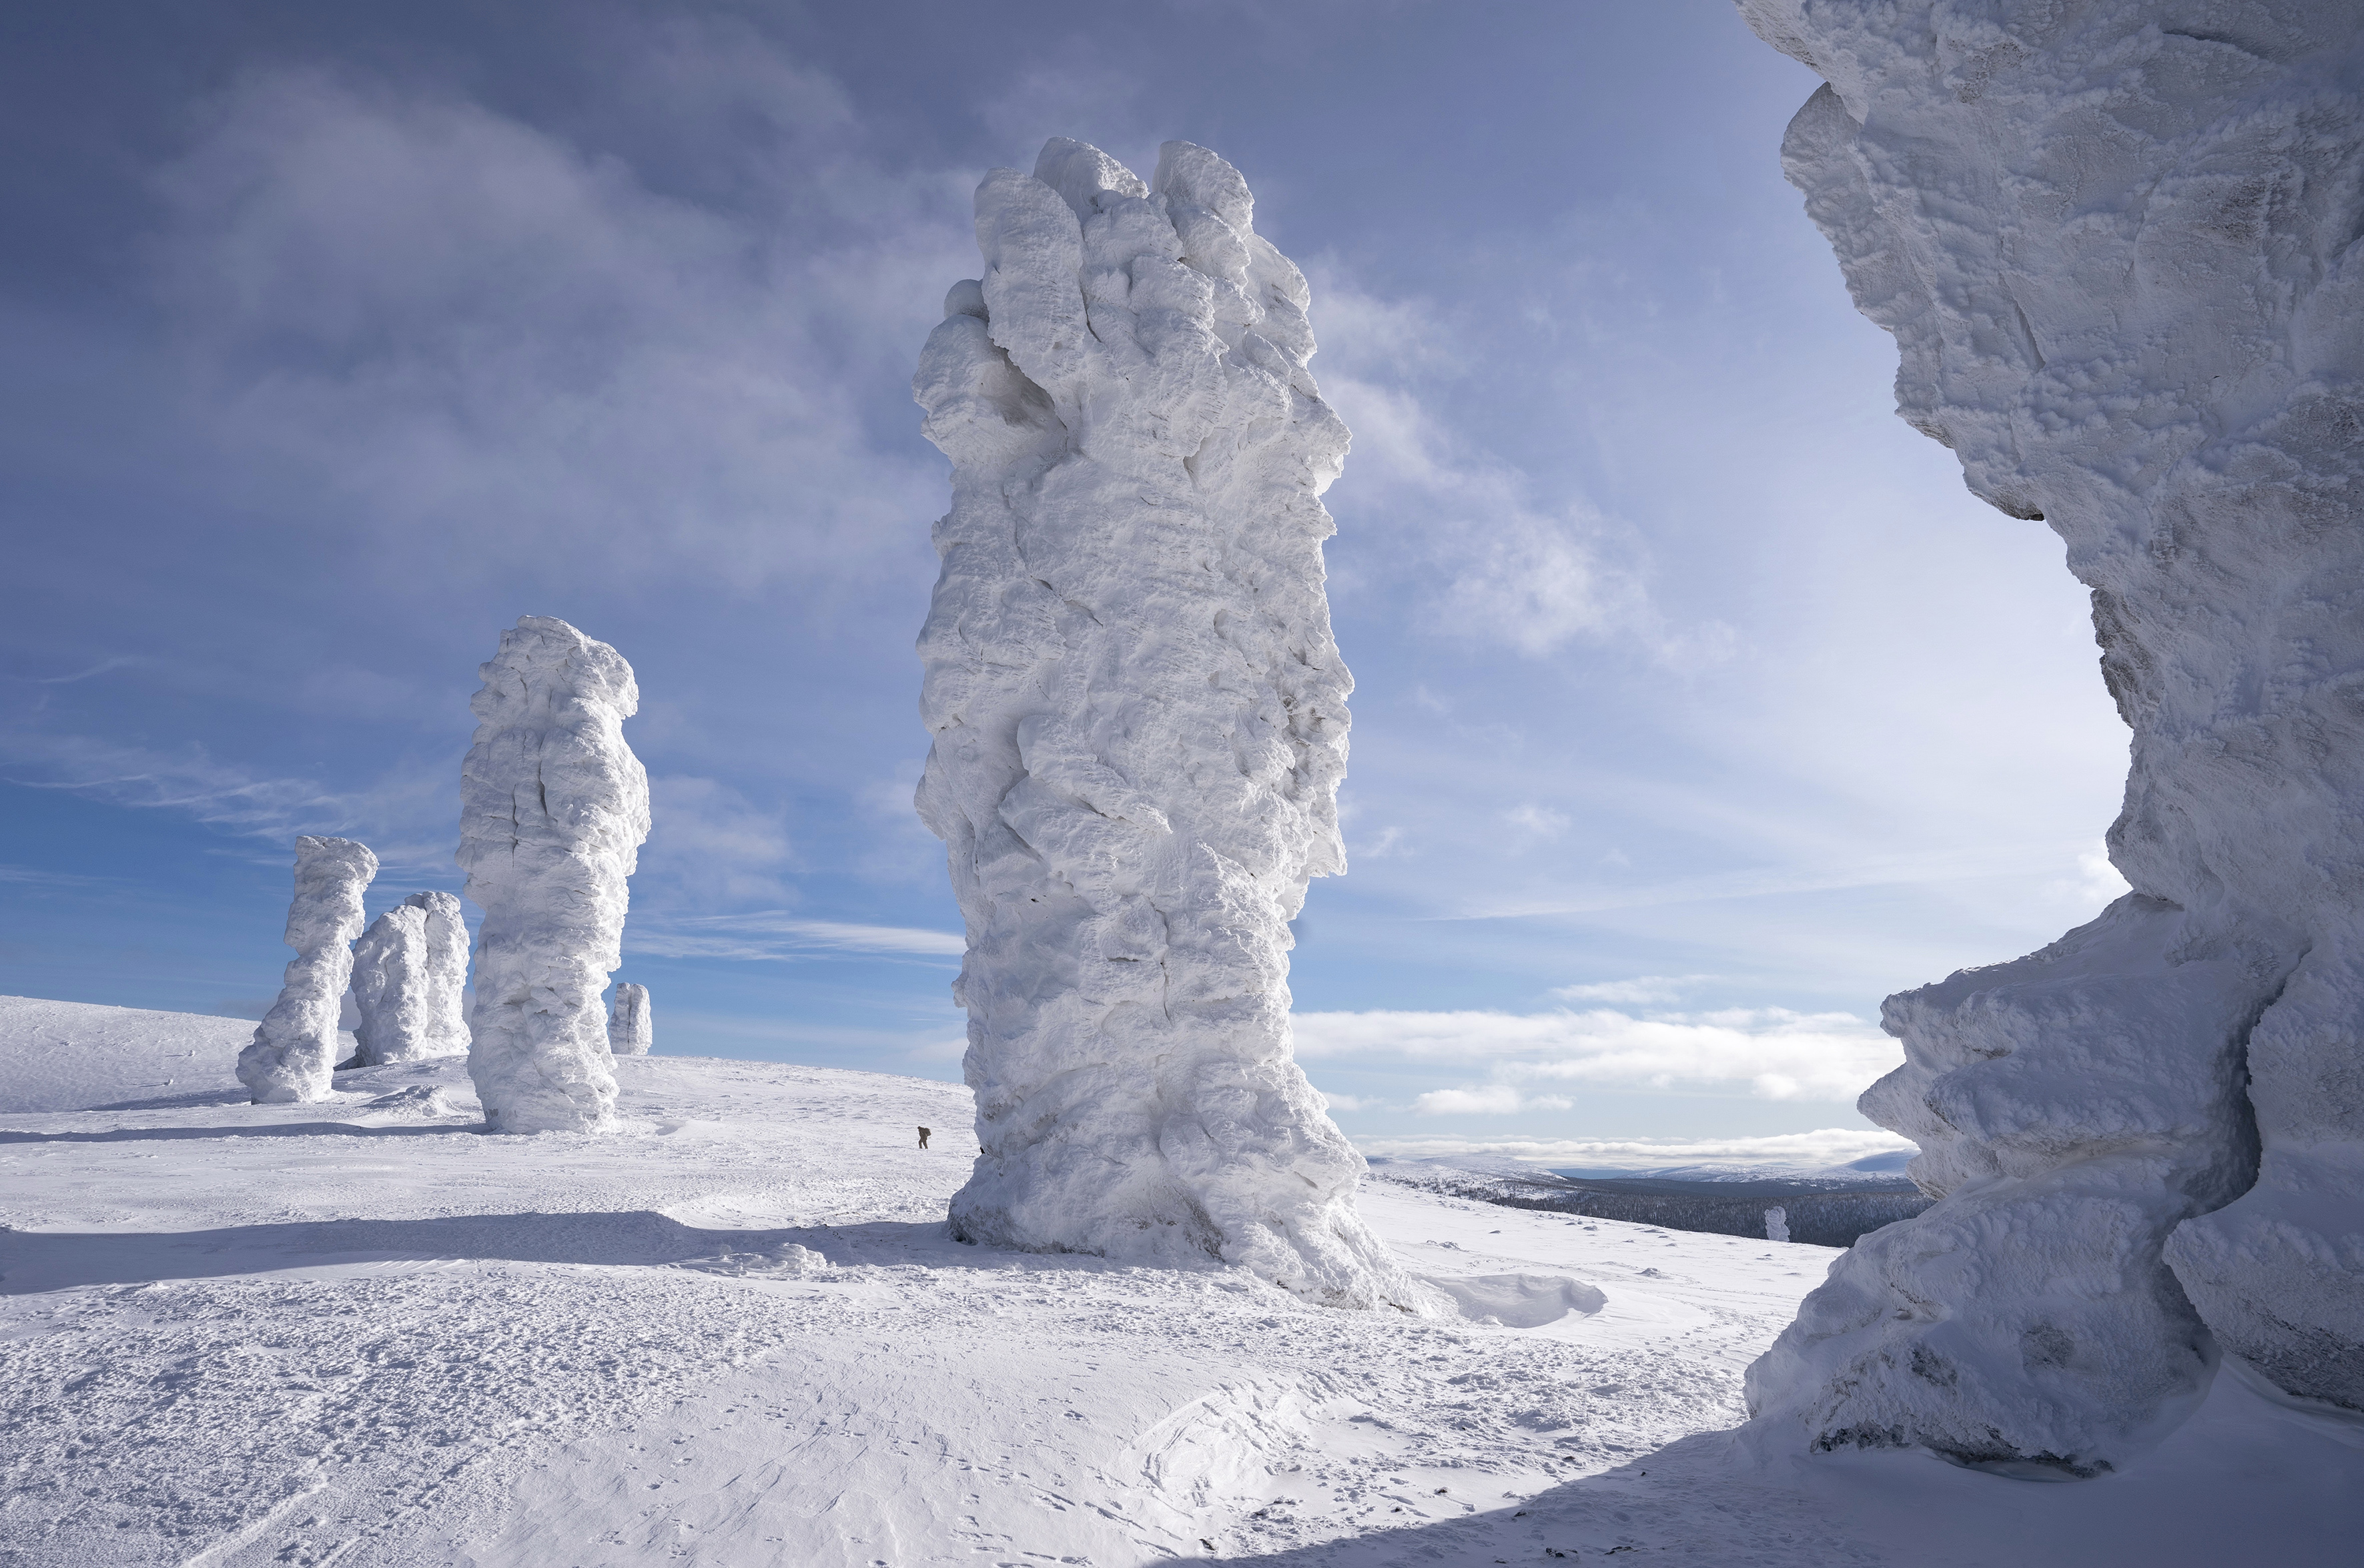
column 923, row 1138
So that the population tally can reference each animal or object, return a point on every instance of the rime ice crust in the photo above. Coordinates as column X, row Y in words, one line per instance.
column 554, row 808
column 632, row 1029
column 1139, row 723
column 293, row 1055
column 410, row 969
column 2117, row 244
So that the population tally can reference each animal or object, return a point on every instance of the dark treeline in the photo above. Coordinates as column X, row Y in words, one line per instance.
column 1816, row 1214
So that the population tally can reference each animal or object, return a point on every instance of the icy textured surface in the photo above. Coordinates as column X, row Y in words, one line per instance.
column 409, row 969
column 1776, row 1224
column 295, row 1050
column 554, row 807
column 632, row 1029
column 1140, row 722
column 2117, row 245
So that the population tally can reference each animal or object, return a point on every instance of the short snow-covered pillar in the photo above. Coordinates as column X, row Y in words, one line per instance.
column 409, row 969
column 1139, row 723
column 630, row 1028
column 295, row 1052
column 554, row 808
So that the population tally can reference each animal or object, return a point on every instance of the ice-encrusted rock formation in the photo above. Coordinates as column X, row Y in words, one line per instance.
column 2117, row 243
column 632, row 1029
column 554, row 808
column 295, row 1052
column 1139, row 723
column 1776, row 1224
column 410, row 969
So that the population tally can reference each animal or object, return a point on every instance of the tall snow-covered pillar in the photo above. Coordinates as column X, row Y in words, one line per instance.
column 295, row 1052
column 410, row 969
column 2117, row 246
column 631, row 1028
column 1139, row 723
column 554, row 808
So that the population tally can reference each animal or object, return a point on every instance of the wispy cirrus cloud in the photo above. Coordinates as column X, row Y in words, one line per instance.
column 775, row 935
column 1493, row 1099
column 1498, row 561
column 402, row 814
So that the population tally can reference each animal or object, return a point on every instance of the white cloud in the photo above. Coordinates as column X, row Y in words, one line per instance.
column 1642, row 991
column 1824, row 1146
column 1494, row 1099
column 1505, row 565
column 1540, row 820
column 1768, row 1052
column 475, row 341
column 2097, row 882
column 710, row 844
column 774, row 934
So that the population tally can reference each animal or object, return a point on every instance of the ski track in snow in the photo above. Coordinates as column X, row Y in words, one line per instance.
column 362, row 1332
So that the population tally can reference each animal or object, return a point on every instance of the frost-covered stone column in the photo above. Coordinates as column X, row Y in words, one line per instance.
column 631, row 1028
column 2117, row 245
column 554, row 808
column 1139, row 723
column 293, row 1056
column 410, row 969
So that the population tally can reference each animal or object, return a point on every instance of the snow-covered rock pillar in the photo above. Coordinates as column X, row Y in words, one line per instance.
column 632, row 1029
column 293, row 1056
column 1140, row 722
column 2117, row 245
column 410, row 969
column 553, row 809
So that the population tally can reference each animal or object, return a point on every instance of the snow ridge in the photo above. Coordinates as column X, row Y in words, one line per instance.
column 1139, row 723
column 2118, row 246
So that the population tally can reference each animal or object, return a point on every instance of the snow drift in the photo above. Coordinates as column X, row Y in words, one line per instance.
column 2117, row 246
column 554, row 808
column 410, row 969
column 293, row 1056
column 1140, row 722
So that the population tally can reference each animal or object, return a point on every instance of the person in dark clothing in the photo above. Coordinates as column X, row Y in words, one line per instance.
column 923, row 1138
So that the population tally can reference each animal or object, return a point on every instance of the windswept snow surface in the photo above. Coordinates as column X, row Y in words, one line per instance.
column 60, row 1056
column 2121, row 247
column 1139, row 723
column 735, row 1331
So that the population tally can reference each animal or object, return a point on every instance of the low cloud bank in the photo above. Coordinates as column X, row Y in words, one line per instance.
column 1824, row 1146
column 1765, row 1052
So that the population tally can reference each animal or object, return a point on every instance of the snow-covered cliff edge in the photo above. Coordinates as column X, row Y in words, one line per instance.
column 2118, row 245
column 1140, row 722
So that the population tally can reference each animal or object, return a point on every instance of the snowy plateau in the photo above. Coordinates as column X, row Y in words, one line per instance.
column 736, row 1330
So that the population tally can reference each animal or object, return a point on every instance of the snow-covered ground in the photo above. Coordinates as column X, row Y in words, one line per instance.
column 736, row 1333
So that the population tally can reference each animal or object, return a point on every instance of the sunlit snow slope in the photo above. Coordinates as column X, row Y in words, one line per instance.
column 736, row 1333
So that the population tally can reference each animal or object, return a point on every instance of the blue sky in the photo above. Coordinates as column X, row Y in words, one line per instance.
column 1698, row 704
